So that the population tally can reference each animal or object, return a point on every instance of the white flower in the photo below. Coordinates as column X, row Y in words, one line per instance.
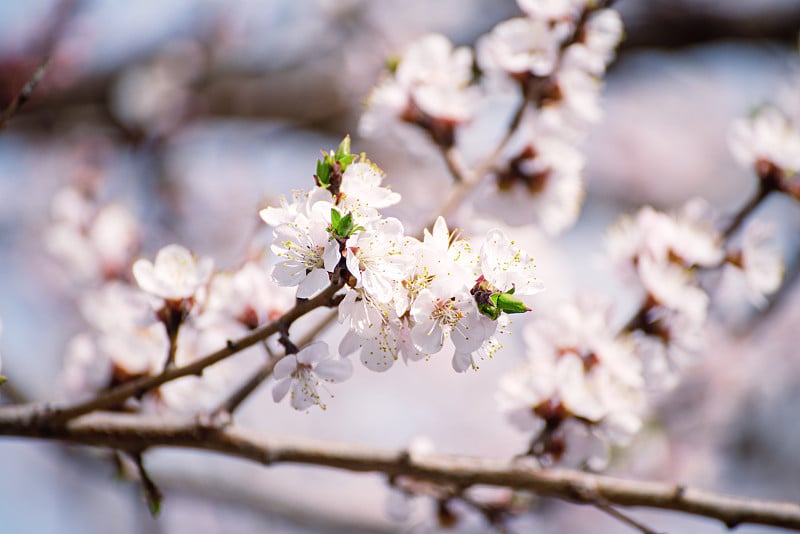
column 379, row 258
column 576, row 365
column 551, row 9
column 93, row 244
column 175, row 275
column 306, row 255
column 437, row 76
column 466, row 359
column 431, row 78
column 442, row 312
column 540, row 182
column 673, row 287
column 116, row 306
column 686, row 238
column 248, row 295
column 767, row 136
column 302, row 372
column 601, row 35
column 507, row 267
column 761, row 261
column 362, row 193
column 114, row 234
column 521, row 46
column 673, row 341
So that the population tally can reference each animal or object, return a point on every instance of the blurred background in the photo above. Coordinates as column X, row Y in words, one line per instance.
column 194, row 114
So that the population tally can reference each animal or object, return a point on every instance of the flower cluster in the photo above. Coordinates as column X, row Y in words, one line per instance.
column 557, row 56
column 578, row 378
column 661, row 253
column 404, row 297
column 430, row 86
column 178, row 309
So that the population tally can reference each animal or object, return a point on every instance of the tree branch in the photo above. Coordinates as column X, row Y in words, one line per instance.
column 129, row 432
column 112, row 398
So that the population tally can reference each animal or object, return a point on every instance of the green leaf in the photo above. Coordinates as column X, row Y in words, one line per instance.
column 490, row 311
column 346, row 225
column 3, row 379
column 336, row 217
column 155, row 506
column 510, row 304
column 392, row 63
column 344, row 148
column 345, row 161
column 323, row 172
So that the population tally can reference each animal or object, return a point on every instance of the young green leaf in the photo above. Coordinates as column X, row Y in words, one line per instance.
column 509, row 304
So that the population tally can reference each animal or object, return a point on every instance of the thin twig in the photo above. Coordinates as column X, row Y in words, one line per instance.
column 25, row 94
column 245, row 390
column 624, row 518
column 152, row 494
column 740, row 216
column 136, row 432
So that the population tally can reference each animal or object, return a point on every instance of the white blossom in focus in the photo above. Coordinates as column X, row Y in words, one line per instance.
column 506, row 266
column 362, row 193
column 303, row 372
column 443, row 311
column 176, row 273
column 379, row 258
column 306, row 254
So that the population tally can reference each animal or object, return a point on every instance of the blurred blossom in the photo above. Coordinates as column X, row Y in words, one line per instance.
column 176, row 273
column 248, row 294
column 155, row 96
column 576, row 371
column 551, row 9
column 430, row 86
column 538, row 181
column 758, row 262
column 92, row 242
column 521, row 47
column 767, row 138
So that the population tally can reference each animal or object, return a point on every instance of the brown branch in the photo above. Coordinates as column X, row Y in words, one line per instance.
column 24, row 95
column 136, row 388
column 132, row 432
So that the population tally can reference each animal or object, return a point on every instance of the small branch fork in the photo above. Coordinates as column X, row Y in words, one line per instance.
column 139, row 432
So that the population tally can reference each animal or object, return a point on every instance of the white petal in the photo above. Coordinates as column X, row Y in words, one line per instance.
column 376, row 358
column 428, row 337
column 334, row 370
column 313, row 283
column 281, row 389
column 285, row 367
column 314, row 353
column 461, row 361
